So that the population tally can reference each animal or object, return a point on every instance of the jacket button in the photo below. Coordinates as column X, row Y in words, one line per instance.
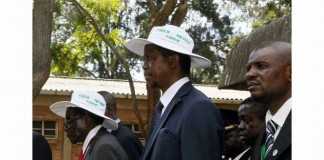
column 275, row 152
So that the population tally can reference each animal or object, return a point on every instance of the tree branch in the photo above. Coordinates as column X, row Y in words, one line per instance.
column 180, row 13
column 152, row 7
column 87, row 71
column 120, row 57
column 162, row 16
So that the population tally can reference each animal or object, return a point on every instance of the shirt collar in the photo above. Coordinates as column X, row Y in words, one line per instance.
column 89, row 137
column 106, row 124
column 168, row 95
column 280, row 116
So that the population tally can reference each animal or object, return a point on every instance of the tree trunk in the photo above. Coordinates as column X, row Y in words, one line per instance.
column 42, row 28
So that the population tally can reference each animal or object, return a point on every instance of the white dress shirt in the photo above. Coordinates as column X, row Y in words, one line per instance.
column 280, row 116
column 168, row 95
column 241, row 154
column 89, row 137
column 107, row 124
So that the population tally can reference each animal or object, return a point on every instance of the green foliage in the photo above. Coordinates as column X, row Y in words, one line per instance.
column 77, row 48
column 104, row 11
column 264, row 11
column 115, row 37
column 210, row 36
column 234, row 41
column 64, row 67
column 79, row 51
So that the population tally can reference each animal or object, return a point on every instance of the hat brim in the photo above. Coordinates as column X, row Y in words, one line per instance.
column 137, row 46
column 59, row 108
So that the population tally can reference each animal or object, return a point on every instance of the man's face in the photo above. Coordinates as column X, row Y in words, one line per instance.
column 232, row 143
column 156, row 68
column 267, row 74
column 75, row 125
column 250, row 125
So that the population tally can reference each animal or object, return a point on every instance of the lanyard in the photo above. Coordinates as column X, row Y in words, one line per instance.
column 263, row 152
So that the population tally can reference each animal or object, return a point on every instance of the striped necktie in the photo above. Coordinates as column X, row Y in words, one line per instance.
column 270, row 132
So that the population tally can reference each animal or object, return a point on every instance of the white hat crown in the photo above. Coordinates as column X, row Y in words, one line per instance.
column 87, row 100
column 170, row 37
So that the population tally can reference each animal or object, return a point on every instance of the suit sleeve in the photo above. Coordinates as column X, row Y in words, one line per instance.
column 202, row 132
column 133, row 147
column 41, row 148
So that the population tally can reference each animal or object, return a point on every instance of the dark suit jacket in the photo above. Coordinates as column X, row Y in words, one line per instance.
column 281, row 149
column 129, row 142
column 191, row 128
column 104, row 146
column 41, row 148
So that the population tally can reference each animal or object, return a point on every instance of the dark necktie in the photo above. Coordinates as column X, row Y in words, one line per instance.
column 155, row 119
column 157, row 115
column 270, row 132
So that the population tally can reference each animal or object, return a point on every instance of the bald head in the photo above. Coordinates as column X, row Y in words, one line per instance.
column 282, row 50
column 249, row 105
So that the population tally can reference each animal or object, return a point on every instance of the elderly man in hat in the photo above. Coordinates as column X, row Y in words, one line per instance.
column 186, row 124
column 84, row 116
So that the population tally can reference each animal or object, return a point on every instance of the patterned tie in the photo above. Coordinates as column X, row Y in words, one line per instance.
column 270, row 131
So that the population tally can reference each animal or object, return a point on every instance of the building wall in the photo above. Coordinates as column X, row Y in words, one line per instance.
column 41, row 111
column 61, row 147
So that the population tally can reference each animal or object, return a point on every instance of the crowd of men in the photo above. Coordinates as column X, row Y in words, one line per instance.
column 186, row 125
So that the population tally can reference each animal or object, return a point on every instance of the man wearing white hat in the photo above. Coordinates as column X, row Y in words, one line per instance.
column 186, row 124
column 84, row 116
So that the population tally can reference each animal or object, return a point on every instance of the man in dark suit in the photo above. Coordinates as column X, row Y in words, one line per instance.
column 41, row 148
column 84, row 116
column 124, row 135
column 186, row 125
column 232, row 142
column 269, row 81
column 251, row 116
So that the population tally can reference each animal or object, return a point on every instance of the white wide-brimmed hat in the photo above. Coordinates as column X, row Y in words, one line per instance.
column 170, row 37
column 87, row 100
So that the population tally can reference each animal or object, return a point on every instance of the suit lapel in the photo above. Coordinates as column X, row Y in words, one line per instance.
column 283, row 141
column 175, row 100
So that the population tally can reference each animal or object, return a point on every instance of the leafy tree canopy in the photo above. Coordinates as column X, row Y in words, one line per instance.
column 79, row 51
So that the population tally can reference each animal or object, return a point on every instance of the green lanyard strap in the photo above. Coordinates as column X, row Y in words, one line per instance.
column 263, row 152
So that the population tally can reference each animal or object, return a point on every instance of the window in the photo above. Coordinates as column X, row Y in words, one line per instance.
column 46, row 128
